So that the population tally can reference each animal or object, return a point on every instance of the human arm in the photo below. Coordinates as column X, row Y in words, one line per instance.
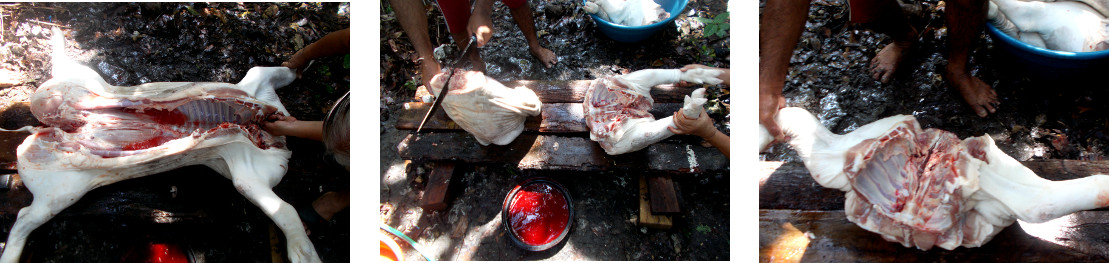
column 335, row 43
column 779, row 30
column 481, row 23
column 702, row 127
column 289, row 126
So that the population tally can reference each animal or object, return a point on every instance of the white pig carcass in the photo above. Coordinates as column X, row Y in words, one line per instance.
column 488, row 110
column 925, row 187
column 627, row 12
column 1064, row 25
column 616, row 108
column 99, row 134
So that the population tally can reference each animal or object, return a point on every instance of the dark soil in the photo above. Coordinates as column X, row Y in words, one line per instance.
column 131, row 44
column 606, row 204
column 1041, row 116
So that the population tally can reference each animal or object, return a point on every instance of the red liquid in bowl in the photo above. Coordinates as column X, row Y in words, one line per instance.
column 538, row 214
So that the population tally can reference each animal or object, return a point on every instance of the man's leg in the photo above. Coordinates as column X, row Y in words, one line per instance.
column 779, row 30
column 413, row 20
column 965, row 19
column 457, row 15
column 885, row 16
column 521, row 12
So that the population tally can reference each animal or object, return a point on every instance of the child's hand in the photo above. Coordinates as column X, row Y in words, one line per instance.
column 701, row 126
column 279, row 125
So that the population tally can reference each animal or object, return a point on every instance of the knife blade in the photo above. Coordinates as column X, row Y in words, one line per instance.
column 446, row 85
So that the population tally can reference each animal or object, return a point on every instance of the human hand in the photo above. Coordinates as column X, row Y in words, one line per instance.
column 480, row 26
column 297, row 63
column 701, row 126
column 769, row 104
column 279, row 125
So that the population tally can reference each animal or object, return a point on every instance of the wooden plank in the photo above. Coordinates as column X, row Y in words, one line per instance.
column 553, row 117
column 790, row 186
column 664, row 200
column 435, row 193
column 545, row 152
column 528, row 151
column 646, row 218
column 562, row 91
column 687, row 156
column 827, row 236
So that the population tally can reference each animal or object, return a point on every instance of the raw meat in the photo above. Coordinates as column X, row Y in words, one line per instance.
column 927, row 188
column 100, row 134
column 616, row 108
column 627, row 12
column 488, row 110
column 1072, row 26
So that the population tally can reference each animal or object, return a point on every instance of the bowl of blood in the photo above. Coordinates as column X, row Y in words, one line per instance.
column 538, row 213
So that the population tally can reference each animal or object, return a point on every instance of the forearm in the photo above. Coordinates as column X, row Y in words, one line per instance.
column 483, row 8
column 312, row 130
column 721, row 141
column 335, row 43
column 779, row 30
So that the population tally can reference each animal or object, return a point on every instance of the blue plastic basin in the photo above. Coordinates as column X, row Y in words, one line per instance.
column 1045, row 63
column 631, row 34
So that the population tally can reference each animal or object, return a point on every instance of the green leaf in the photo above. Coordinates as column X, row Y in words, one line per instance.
column 703, row 20
column 346, row 61
column 721, row 18
column 709, row 29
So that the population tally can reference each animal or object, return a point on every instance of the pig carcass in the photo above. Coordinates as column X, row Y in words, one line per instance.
column 487, row 109
column 925, row 187
column 627, row 12
column 1064, row 25
column 99, row 134
column 616, row 108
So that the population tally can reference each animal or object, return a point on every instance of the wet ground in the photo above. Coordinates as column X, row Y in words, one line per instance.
column 604, row 228
column 1041, row 116
column 130, row 44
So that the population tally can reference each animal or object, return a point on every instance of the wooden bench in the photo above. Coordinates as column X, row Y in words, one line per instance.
column 799, row 220
column 558, row 139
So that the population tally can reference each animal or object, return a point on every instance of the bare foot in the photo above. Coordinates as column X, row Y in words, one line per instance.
column 544, row 55
column 979, row 95
column 885, row 63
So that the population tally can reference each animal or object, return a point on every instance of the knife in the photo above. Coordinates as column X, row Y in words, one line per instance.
column 443, row 91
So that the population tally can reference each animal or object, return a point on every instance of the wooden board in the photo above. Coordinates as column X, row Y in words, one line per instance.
column 646, row 218
column 546, row 152
column 435, row 194
column 789, row 185
column 827, row 236
column 664, row 200
column 553, row 117
column 561, row 91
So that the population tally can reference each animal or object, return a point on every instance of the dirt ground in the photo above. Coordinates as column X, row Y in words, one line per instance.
column 1040, row 117
column 135, row 43
column 605, row 225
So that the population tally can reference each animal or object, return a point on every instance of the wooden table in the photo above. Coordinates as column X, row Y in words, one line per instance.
column 801, row 221
column 557, row 139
